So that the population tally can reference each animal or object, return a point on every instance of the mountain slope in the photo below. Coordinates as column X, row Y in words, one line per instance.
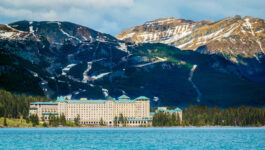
column 229, row 37
column 62, row 58
column 239, row 40
column 53, row 47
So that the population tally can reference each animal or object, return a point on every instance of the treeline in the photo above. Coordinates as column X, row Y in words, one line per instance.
column 120, row 120
column 240, row 116
column 15, row 105
column 196, row 115
column 54, row 121
column 166, row 119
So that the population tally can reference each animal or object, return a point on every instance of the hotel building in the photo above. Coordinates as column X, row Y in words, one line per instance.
column 136, row 111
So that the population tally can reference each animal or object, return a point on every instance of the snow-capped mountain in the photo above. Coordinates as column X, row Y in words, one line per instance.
column 62, row 58
column 230, row 37
column 165, row 30
column 52, row 50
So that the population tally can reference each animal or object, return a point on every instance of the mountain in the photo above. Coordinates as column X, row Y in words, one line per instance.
column 239, row 40
column 63, row 58
column 231, row 36
column 49, row 52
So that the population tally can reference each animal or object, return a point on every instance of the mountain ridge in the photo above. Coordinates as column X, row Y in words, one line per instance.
column 228, row 36
column 52, row 58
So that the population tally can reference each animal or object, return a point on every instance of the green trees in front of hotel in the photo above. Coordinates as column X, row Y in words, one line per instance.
column 62, row 120
column 165, row 119
column 101, row 122
column 45, row 124
column 115, row 121
column 57, row 120
column 34, row 119
column 77, row 120
column 120, row 120
column 123, row 120
column 54, row 120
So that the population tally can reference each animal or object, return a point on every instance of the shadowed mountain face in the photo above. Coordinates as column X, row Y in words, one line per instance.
column 62, row 58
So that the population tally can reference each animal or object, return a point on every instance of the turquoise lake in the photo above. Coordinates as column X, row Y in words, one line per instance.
column 132, row 138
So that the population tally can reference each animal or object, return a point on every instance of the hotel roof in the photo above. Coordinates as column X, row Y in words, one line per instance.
column 169, row 111
column 142, row 98
column 44, row 103
column 124, row 97
column 121, row 99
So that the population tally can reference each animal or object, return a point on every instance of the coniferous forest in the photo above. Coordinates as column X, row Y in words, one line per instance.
column 17, row 106
column 196, row 115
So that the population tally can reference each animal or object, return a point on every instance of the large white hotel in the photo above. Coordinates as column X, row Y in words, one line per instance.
column 137, row 111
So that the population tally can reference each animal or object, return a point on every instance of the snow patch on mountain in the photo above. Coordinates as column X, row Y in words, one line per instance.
column 122, row 47
column 199, row 94
column 6, row 34
column 31, row 28
column 65, row 33
column 159, row 59
column 67, row 68
column 105, row 92
column 130, row 35
column 96, row 77
column 252, row 32
column 85, row 76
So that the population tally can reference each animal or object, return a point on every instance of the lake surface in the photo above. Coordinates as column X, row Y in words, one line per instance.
column 132, row 138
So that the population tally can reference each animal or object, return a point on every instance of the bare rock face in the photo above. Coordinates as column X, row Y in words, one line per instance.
column 230, row 37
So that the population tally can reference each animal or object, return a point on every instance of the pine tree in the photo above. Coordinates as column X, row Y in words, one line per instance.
column 5, row 122
column 45, row 124
column 62, row 120
column 101, row 122
column 77, row 120
column 115, row 121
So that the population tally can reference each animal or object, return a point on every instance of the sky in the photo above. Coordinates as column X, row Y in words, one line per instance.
column 113, row 16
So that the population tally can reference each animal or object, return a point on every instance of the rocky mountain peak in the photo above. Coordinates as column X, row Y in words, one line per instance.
column 233, row 36
column 57, row 32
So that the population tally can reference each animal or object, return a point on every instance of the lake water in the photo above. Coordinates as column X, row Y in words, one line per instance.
column 132, row 138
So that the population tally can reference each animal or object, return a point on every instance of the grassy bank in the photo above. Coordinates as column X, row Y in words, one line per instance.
column 15, row 123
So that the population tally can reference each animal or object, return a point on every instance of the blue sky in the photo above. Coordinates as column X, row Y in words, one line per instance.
column 113, row 16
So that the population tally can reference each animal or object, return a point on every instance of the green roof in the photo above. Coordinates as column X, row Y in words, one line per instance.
column 169, row 111
column 86, row 101
column 124, row 97
column 60, row 99
column 121, row 99
column 50, row 114
column 43, row 103
column 142, row 98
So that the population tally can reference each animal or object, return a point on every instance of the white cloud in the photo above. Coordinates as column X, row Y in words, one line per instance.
column 14, row 13
column 68, row 3
column 112, row 16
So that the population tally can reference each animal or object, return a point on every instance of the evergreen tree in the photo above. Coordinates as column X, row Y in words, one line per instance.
column 101, row 122
column 62, row 120
column 5, row 122
column 45, row 124
column 77, row 120
column 121, row 118
column 50, row 119
column 115, row 121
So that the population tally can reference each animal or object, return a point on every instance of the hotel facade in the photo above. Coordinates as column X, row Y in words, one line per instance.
column 136, row 111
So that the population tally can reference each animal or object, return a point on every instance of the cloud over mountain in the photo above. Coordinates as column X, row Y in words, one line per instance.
column 112, row 16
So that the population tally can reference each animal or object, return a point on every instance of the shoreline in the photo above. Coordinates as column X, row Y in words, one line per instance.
column 2, row 127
